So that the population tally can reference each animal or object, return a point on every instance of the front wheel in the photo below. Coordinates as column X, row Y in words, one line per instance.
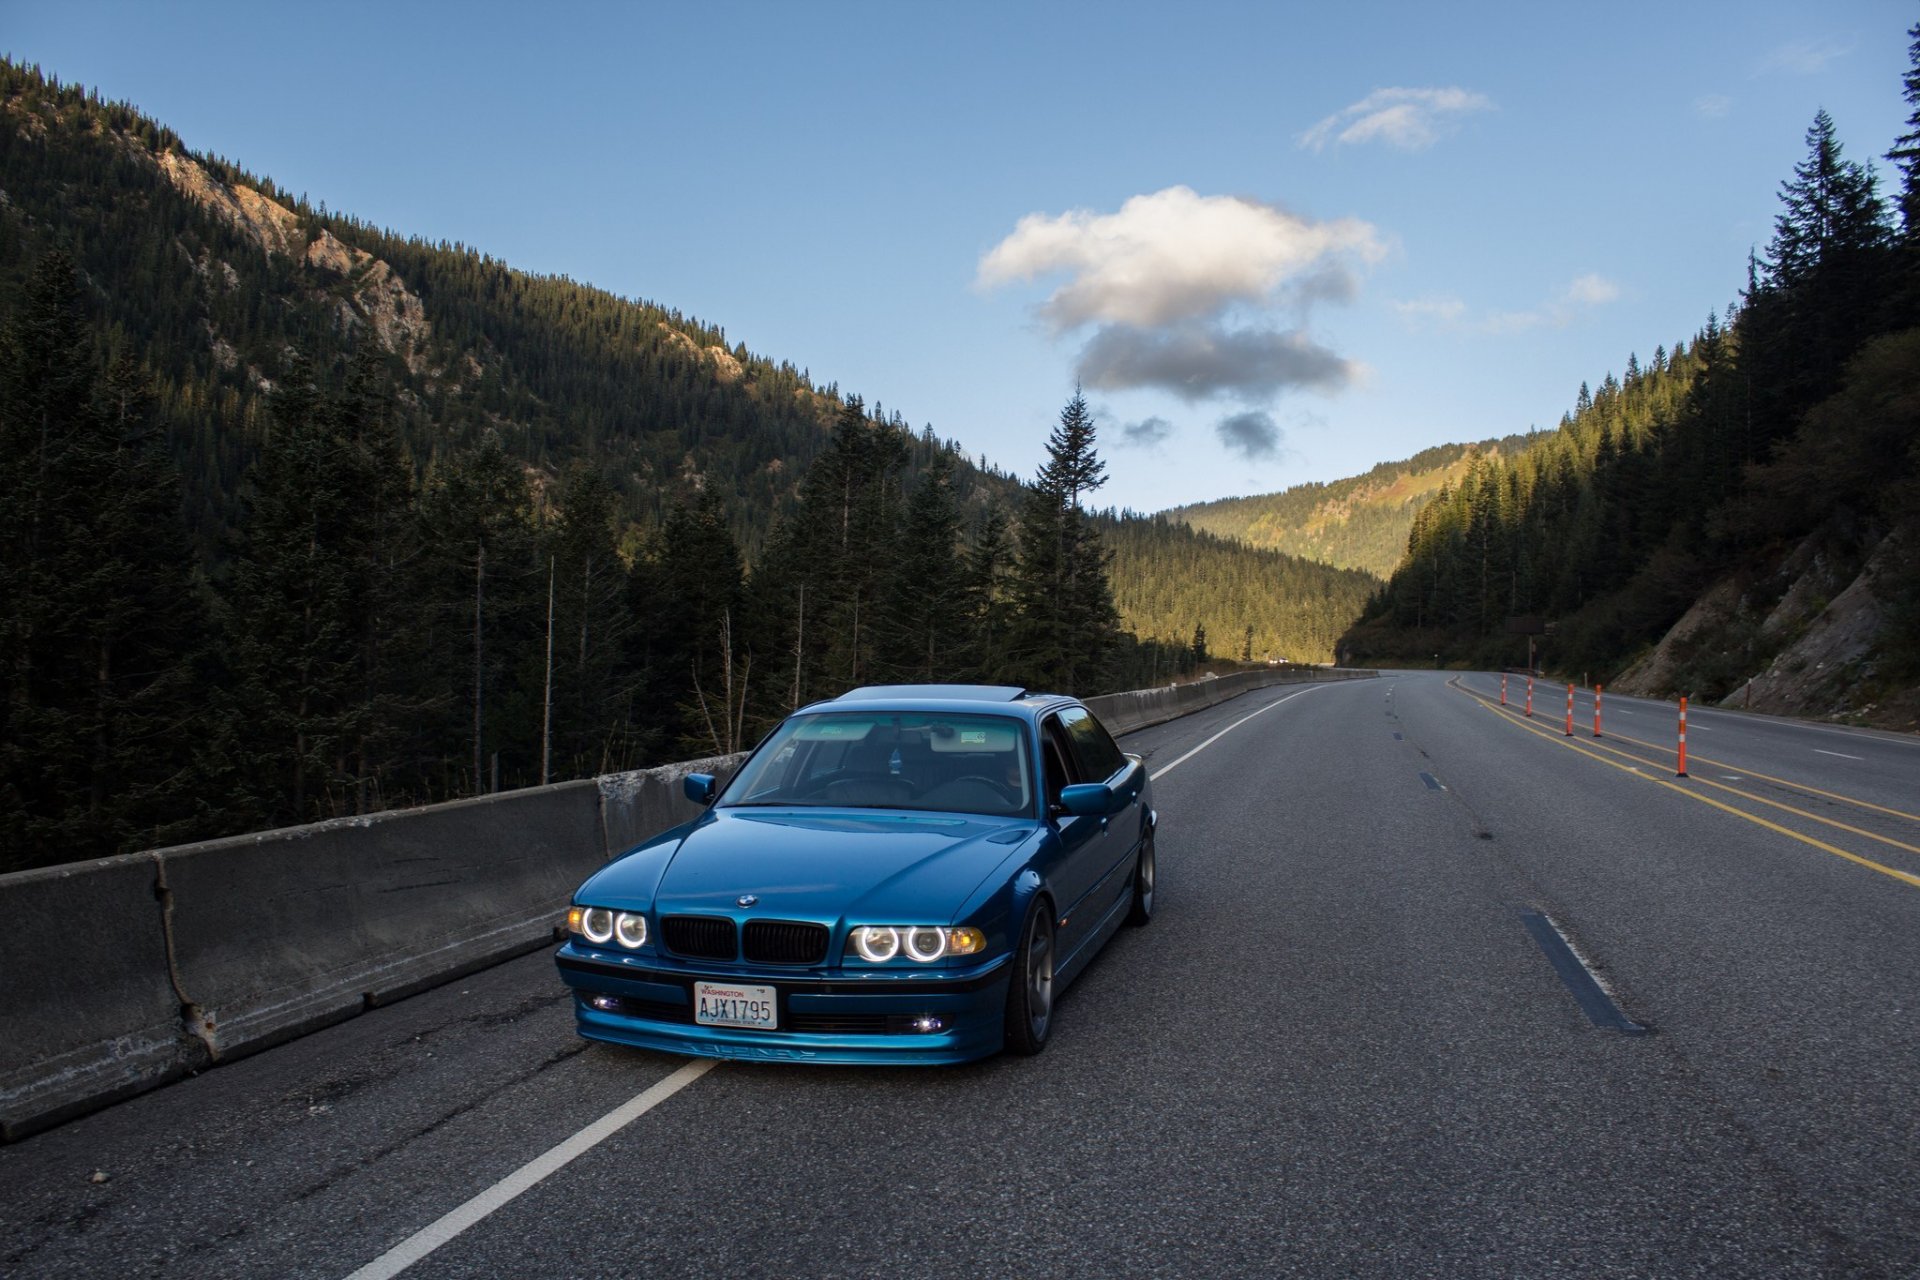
column 1142, row 910
column 1030, row 991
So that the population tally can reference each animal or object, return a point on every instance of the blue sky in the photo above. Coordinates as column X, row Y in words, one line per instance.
column 1278, row 243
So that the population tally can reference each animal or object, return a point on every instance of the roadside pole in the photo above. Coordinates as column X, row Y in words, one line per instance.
column 1683, row 736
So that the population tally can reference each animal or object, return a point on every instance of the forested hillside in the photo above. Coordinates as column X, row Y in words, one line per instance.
column 1736, row 518
column 213, row 276
column 303, row 519
column 1251, row 603
column 1361, row 522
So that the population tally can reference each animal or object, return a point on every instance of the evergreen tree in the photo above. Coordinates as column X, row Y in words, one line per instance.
column 1065, row 623
column 699, row 653
column 484, row 587
column 989, row 562
column 1905, row 153
column 922, row 615
column 591, row 623
column 102, row 619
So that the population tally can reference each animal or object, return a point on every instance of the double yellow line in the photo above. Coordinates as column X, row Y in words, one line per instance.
column 1823, row 846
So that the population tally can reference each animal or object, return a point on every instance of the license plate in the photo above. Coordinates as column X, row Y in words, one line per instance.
column 726, row 1004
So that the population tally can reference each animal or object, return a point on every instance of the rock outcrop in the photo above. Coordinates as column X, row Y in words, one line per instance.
column 374, row 295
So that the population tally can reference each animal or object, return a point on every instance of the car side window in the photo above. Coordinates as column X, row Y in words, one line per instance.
column 1099, row 756
column 1057, row 752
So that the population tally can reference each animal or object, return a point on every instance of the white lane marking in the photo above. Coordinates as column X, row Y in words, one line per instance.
column 431, row 1237
column 1166, row 769
column 1843, row 755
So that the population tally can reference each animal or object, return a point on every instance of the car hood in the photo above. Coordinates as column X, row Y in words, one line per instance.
column 824, row 865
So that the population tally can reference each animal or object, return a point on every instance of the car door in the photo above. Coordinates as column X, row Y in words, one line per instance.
column 1085, row 840
column 1100, row 759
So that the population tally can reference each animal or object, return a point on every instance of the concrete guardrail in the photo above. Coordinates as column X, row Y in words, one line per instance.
column 122, row 974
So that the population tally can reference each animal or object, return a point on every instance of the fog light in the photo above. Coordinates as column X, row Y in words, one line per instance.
column 605, row 1004
column 928, row 1024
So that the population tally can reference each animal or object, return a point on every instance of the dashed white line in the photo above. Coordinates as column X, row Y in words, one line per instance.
column 1843, row 755
column 1164, row 770
column 527, row 1176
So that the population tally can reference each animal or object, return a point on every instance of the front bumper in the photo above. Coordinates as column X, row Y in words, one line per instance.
column 837, row 1018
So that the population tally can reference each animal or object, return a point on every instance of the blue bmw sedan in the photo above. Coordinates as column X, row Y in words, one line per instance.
column 904, row 874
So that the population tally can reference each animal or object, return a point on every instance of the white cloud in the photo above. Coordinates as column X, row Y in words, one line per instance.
column 1410, row 119
column 1176, row 255
column 1713, row 106
column 1582, row 293
column 1158, row 280
column 1803, row 57
column 1591, row 290
column 1445, row 310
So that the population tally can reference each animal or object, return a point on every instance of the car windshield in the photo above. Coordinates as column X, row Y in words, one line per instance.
column 891, row 760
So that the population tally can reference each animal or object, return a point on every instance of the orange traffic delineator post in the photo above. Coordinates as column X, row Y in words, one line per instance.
column 1569, row 711
column 1597, row 691
column 1503, row 688
column 1683, row 736
column 1529, row 696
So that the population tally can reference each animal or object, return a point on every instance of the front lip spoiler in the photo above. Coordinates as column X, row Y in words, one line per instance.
column 795, row 982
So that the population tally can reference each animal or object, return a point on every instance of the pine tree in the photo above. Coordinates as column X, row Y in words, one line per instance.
column 922, row 612
column 1905, row 153
column 484, row 586
column 591, row 624
column 102, row 621
column 1065, row 625
column 988, row 564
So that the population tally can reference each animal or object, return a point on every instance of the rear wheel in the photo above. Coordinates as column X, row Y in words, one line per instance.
column 1030, row 990
column 1142, row 910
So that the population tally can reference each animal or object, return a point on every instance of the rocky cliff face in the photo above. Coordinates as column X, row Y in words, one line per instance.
column 365, row 290
column 1804, row 640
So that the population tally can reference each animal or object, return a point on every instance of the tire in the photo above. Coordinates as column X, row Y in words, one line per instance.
column 1030, row 985
column 1143, row 872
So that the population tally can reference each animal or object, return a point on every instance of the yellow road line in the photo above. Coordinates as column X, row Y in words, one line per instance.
column 1721, row 764
column 1767, row 777
column 1758, row 821
column 1759, row 799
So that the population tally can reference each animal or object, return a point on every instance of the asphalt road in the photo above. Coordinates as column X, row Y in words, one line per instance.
column 1342, row 1048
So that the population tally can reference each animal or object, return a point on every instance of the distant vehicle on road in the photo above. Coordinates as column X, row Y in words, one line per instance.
column 904, row 874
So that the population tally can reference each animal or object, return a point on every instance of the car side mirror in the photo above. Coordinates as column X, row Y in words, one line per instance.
column 1088, row 799
column 699, row 788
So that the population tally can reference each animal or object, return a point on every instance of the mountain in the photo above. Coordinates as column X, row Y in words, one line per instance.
column 1361, row 522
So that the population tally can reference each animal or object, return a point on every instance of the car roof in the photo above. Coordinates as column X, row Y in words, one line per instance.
column 935, row 692
column 939, row 697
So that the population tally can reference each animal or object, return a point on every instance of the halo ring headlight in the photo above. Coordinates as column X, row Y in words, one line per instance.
column 876, row 943
column 926, row 944
column 597, row 925
column 630, row 930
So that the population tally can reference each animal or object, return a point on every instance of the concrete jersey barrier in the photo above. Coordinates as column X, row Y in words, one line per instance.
column 128, row 972
column 88, row 1009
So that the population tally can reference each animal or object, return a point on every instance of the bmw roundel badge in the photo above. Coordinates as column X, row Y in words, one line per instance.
column 747, row 899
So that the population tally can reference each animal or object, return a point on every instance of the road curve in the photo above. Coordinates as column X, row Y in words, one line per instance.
column 1432, row 991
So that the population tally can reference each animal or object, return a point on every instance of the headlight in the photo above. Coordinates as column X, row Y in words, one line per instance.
column 631, row 930
column 876, row 943
column 924, row 943
column 596, row 924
